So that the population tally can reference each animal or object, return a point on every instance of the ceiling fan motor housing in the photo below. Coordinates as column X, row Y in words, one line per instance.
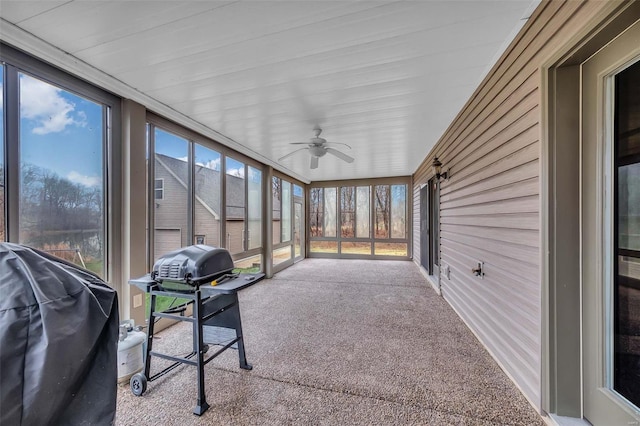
column 317, row 151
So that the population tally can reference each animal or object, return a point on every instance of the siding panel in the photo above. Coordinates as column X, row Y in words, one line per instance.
column 508, row 235
column 524, row 182
column 519, row 221
column 490, row 205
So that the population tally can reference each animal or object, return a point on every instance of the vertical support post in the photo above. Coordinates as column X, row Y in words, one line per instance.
column 202, row 405
column 147, row 355
column 239, row 334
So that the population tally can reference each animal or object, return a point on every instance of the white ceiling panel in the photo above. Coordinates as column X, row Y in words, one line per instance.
column 385, row 77
column 18, row 11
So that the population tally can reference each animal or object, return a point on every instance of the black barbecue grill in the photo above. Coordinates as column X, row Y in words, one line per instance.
column 192, row 265
column 203, row 275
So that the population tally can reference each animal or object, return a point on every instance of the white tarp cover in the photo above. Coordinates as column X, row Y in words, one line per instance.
column 58, row 342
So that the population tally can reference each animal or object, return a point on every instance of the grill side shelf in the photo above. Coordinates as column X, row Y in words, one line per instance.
column 241, row 282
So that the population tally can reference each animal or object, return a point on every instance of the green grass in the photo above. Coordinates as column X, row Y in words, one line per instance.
column 163, row 303
column 97, row 267
column 251, row 270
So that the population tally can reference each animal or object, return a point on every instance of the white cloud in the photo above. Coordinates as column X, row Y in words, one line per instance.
column 236, row 172
column 211, row 164
column 42, row 103
column 76, row 177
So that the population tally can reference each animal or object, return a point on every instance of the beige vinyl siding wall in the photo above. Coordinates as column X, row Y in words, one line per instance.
column 490, row 207
column 205, row 223
column 235, row 236
column 170, row 211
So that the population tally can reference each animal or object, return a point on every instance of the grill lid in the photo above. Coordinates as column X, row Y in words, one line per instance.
column 192, row 265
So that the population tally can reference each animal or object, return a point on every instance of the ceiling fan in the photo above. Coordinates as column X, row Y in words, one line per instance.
column 317, row 147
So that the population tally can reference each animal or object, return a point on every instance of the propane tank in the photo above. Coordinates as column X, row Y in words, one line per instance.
column 130, row 351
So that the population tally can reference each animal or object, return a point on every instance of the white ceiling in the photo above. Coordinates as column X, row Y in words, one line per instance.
column 385, row 77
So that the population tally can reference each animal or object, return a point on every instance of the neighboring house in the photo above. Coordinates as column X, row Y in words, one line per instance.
column 171, row 177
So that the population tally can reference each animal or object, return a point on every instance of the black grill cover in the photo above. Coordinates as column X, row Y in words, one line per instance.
column 58, row 342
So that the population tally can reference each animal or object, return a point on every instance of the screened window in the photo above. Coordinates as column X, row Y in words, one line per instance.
column 382, row 201
column 316, row 212
column 235, row 205
column 207, row 189
column 62, row 142
column 330, row 212
column 360, row 220
column 398, row 211
column 298, row 220
column 363, row 212
column 347, row 211
column 55, row 143
column 276, row 189
column 187, row 202
column 254, row 208
column 171, row 218
column 286, row 211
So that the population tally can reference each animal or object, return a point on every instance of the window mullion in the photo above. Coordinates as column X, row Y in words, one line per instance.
column 12, row 149
column 191, row 192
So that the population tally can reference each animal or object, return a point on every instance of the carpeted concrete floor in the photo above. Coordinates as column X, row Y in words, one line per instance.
column 338, row 342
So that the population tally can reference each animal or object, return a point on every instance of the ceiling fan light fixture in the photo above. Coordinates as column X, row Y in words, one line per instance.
column 317, row 151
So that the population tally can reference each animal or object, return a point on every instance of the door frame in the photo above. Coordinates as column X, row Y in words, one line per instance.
column 434, row 229
column 424, row 227
column 563, row 365
column 430, row 232
column 601, row 402
column 299, row 201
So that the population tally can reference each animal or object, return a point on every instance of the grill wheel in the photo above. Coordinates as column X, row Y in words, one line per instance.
column 138, row 384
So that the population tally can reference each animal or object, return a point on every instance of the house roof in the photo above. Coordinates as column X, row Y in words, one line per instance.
column 207, row 187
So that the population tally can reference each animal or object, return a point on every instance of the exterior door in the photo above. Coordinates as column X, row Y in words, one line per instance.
column 434, row 229
column 610, row 164
column 429, row 228
column 424, row 227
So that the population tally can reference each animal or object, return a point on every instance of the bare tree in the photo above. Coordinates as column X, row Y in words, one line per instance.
column 347, row 210
column 55, row 212
column 383, row 201
column 276, row 187
column 316, row 213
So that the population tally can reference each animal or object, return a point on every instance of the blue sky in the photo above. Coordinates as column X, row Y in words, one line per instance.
column 61, row 132
column 174, row 146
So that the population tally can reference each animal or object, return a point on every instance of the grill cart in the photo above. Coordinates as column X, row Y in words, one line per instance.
column 202, row 275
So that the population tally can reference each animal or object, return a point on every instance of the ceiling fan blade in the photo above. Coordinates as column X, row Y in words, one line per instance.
column 299, row 143
column 338, row 143
column 314, row 162
column 340, row 155
column 291, row 153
